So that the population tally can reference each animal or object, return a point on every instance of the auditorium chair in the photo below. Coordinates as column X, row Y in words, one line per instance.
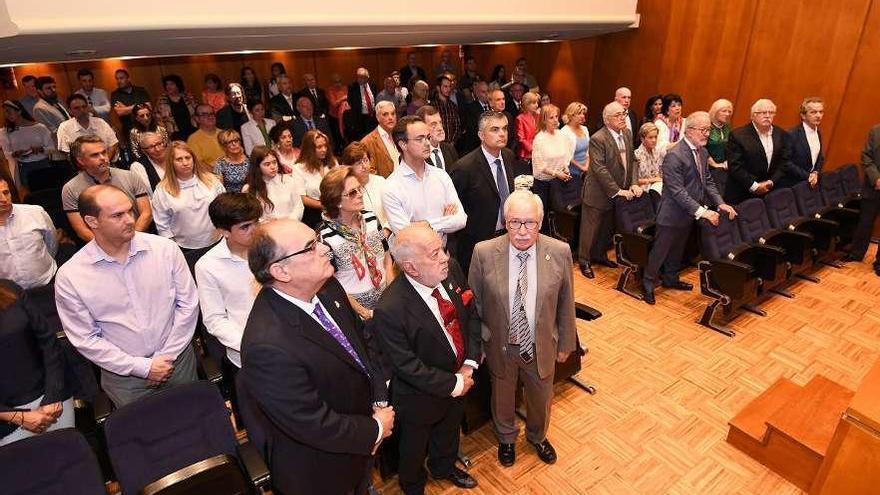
column 852, row 185
column 734, row 271
column 835, row 193
column 181, row 441
column 783, row 214
column 811, row 203
column 565, row 211
column 54, row 463
column 634, row 221
column 755, row 227
column 568, row 370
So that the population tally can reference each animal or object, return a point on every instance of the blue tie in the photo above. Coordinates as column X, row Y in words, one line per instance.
column 503, row 190
column 337, row 334
column 309, row 124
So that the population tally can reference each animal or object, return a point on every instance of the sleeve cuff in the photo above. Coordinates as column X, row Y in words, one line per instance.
column 381, row 430
column 473, row 364
column 753, row 187
column 699, row 213
column 459, row 385
column 141, row 367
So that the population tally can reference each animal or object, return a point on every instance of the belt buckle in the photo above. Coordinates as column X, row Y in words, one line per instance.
column 526, row 357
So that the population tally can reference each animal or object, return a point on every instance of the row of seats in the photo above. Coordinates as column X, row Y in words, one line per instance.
column 772, row 240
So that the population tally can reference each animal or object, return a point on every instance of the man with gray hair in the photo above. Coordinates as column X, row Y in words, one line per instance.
column 624, row 96
column 151, row 167
column 527, row 312
column 689, row 194
column 807, row 157
column 611, row 174
column 360, row 118
column 431, row 336
column 758, row 155
column 283, row 105
column 379, row 142
column 308, row 367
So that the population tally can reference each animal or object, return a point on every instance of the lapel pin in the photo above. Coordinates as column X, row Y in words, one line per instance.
column 337, row 304
column 547, row 257
column 450, row 286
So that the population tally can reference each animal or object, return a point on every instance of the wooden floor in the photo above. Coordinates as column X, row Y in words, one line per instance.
column 667, row 387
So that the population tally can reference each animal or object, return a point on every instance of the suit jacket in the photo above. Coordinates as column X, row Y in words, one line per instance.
column 321, row 104
column 801, row 158
column 406, row 74
column 354, row 97
column 635, row 123
column 747, row 162
column 300, row 129
column 555, row 329
column 381, row 159
column 685, row 189
column 316, row 399
column 871, row 162
column 470, row 119
column 423, row 362
column 478, row 193
column 607, row 174
column 280, row 108
column 450, row 156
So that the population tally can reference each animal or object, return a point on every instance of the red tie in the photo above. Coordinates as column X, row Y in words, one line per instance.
column 367, row 99
column 452, row 325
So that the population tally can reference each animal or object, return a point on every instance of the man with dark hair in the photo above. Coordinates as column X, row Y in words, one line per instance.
column 204, row 141
column 309, row 368
column 282, row 106
column 50, row 112
column 91, row 157
column 127, row 301
column 81, row 123
column 31, row 95
column 447, row 108
column 227, row 287
column 442, row 154
column 99, row 103
column 412, row 69
column 807, row 156
column 125, row 97
column 28, row 242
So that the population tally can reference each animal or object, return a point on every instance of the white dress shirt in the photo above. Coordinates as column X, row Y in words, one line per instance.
column 251, row 135
column 365, row 90
column 425, row 293
column 71, row 129
column 530, row 299
column 309, row 308
column 813, row 142
column 409, row 198
column 389, row 145
column 373, row 190
column 184, row 218
column 28, row 246
column 227, row 290
column 767, row 143
column 286, row 195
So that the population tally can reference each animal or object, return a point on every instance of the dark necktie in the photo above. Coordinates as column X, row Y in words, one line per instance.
column 438, row 161
column 337, row 334
column 315, row 94
column 451, row 324
column 309, row 124
column 503, row 188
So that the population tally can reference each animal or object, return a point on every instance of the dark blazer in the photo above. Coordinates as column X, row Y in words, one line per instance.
column 478, row 193
column 406, row 74
column 470, row 119
column 607, row 174
column 801, row 158
column 321, row 103
column 635, row 123
column 871, row 162
column 415, row 344
column 300, row 129
column 747, row 162
column 685, row 190
column 316, row 399
column 354, row 97
column 450, row 156
column 279, row 107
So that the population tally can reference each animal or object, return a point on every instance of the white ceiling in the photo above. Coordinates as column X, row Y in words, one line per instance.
column 54, row 31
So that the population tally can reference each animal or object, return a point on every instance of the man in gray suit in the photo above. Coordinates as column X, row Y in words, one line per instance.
column 870, row 199
column 688, row 190
column 523, row 290
column 611, row 173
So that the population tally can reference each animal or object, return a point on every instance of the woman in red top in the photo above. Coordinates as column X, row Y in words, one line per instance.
column 527, row 125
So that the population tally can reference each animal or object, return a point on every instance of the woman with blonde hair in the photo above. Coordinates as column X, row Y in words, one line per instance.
column 527, row 125
column 575, row 130
column 419, row 97
column 315, row 160
column 551, row 155
column 719, row 115
column 649, row 157
column 233, row 166
column 180, row 202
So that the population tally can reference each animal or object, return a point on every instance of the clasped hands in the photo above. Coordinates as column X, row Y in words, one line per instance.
column 41, row 418
column 634, row 191
column 161, row 369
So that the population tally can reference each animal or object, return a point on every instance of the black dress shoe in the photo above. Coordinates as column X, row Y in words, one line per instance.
column 545, row 451
column 679, row 285
column 606, row 262
column 587, row 271
column 506, row 454
column 459, row 478
column 648, row 291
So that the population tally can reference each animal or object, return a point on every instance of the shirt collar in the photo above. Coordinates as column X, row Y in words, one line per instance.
column 136, row 245
column 491, row 159
column 382, row 132
column 513, row 252
column 759, row 130
column 422, row 289
column 307, row 306
column 690, row 145
column 808, row 129
column 406, row 170
column 80, row 126
column 615, row 134
column 93, row 180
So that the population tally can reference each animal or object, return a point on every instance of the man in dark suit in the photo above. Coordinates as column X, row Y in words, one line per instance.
column 361, row 116
column 758, row 155
column 317, row 95
column 431, row 337
column 870, row 199
column 283, row 105
column 307, row 121
column 807, row 157
column 624, row 96
column 412, row 68
column 513, row 103
column 524, row 294
column 470, row 117
column 481, row 189
column 442, row 154
column 611, row 174
column 497, row 103
column 309, row 369
column 689, row 192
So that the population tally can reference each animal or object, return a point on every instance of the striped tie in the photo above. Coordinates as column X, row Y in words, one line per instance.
column 519, row 323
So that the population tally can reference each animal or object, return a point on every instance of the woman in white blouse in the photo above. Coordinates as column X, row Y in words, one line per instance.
column 278, row 193
column 26, row 144
column 552, row 152
column 255, row 132
column 180, row 202
column 313, row 164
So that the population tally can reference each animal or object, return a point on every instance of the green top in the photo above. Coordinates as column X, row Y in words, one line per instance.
column 717, row 145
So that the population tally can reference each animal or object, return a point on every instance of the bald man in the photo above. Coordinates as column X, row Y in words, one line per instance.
column 361, row 117
column 624, row 96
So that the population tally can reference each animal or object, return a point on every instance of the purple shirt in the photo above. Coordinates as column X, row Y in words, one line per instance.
column 120, row 315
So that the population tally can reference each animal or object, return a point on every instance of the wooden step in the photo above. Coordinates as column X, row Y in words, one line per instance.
column 750, row 425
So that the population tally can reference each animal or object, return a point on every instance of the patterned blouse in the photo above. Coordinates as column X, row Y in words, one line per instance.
column 234, row 175
column 351, row 263
column 650, row 162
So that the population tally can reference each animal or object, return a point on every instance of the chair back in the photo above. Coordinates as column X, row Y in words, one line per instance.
column 632, row 214
column 720, row 240
column 162, row 433
column 849, row 176
column 50, row 200
column 752, row 219
column 831, row 186
column 54, row 463
column 809, row 200
column 781, row 208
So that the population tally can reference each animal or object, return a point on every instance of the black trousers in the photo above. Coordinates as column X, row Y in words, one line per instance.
column 864, row 229
column 425, row 428
column 668, row 249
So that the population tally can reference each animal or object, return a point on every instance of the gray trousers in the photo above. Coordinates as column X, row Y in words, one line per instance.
column 125, row 389
column 596, row 227
column 538, row 396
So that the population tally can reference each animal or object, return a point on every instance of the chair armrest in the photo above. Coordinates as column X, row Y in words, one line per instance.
column 254, row 466
column 210, row 367
column 102, row 406
column 768, row 249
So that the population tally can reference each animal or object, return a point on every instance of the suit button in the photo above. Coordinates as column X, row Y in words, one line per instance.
column 504, row 348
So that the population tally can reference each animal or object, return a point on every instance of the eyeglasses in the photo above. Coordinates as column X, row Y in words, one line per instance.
column 765, row 112
column 310, row 246
column 232, row 141
column 205, row 115
column 701, row 130
column 154, row 146
column 354, row 193
column 530, row 225
column 419, row 139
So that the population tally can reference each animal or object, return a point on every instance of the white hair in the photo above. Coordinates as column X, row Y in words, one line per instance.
column 692, row 119
column 611, row 109
column 384, row 103
column 524, row 196
column 407, row 241
column 763, row 102
column 620, row 91
column 143, row 136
